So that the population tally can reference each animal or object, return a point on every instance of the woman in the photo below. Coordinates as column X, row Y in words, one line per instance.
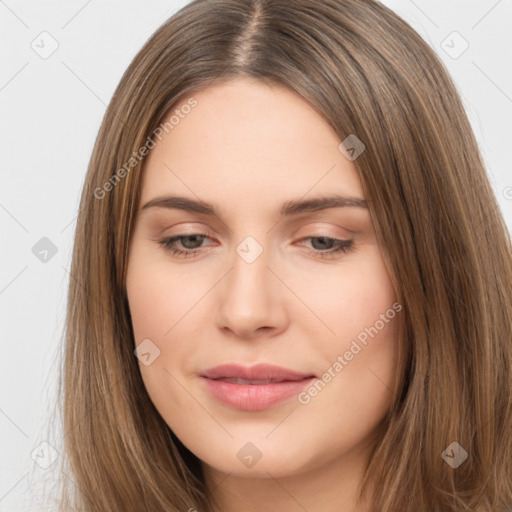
column 291, row 282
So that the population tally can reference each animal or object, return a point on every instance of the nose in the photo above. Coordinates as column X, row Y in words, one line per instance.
column 250, row 300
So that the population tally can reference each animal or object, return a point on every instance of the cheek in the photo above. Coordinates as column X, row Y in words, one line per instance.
column 148, row 303
column 167, row 307
column 348, row 298
column 357, row 302
column 354, row 338
column 159, row 301
column 160, row 297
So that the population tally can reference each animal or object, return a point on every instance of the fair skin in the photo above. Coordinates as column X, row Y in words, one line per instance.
column 248, row 148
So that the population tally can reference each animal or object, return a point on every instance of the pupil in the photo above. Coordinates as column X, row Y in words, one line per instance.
column 323, row 240
column 194, row 239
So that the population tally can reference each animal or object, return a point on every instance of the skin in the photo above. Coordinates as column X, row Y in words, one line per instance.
column 248, row 148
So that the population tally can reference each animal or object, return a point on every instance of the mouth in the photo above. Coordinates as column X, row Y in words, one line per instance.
column 264, row 373
column 251, row 382
column 254, row 388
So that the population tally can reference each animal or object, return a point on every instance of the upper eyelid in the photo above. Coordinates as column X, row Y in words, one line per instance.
column 199, row 232
column 317, row 230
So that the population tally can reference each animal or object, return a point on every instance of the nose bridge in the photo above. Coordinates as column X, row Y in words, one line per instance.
column 249, row 296
column 248, row 281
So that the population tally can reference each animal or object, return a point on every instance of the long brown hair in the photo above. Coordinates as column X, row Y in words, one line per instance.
column 448, row 252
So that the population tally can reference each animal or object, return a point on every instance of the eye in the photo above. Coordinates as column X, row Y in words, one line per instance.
column 192, row 244
column 328, row 247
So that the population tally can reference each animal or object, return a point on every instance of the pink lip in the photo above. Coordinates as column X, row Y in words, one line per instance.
column 254, row 397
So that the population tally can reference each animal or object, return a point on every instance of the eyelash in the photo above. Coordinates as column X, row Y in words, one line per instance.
column 343, row 246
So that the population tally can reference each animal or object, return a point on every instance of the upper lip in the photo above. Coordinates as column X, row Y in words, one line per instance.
column 257, row 372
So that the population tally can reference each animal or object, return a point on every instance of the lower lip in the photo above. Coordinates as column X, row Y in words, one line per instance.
column 247, row 397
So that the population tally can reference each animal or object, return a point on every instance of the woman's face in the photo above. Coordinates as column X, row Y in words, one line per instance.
column 266, row 273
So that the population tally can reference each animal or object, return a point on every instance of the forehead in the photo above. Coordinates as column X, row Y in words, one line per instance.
column 246, row 139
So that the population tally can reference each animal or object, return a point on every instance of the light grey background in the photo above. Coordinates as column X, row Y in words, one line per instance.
column 51, row 107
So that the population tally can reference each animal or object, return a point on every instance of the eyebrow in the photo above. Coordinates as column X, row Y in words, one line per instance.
column 293, row 207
